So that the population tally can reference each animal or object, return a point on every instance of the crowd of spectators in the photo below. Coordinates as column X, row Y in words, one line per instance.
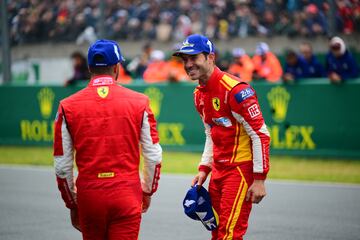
column 164, row 20
column 152, row 66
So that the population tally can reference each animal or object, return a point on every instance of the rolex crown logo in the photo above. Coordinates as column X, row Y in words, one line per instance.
column 156, row 97
column 46, row 98
column 279, row 100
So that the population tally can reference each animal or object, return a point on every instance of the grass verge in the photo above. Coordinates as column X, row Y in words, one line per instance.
column 292, row 168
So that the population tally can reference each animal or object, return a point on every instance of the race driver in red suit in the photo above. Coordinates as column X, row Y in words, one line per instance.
column 237, row 140
column 104, row 125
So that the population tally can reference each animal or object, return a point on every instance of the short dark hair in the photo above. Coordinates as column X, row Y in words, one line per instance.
column 100, row 70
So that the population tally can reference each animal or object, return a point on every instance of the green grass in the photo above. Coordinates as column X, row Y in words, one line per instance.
column 293, row 168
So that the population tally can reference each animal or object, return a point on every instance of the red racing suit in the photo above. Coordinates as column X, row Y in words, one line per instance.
column 104, row 124
column 236, row 148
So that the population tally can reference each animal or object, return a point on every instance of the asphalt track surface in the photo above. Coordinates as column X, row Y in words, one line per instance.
column 31, row 209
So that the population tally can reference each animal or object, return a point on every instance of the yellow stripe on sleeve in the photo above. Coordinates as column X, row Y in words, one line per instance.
column 225, row 84
column 231, row 82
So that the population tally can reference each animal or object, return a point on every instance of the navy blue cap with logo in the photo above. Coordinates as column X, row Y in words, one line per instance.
column 197, row 206
column 195, row 44
column 108, row 50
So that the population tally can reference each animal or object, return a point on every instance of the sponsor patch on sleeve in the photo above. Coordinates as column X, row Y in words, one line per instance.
column 254, row 110
column 244, row 94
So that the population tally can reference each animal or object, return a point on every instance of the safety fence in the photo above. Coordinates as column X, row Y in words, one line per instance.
column 309, row 118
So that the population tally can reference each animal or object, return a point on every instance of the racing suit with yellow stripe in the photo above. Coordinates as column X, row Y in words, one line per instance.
column 236, row 148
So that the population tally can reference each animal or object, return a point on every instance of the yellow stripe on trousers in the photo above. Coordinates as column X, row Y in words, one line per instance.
column 236, row 209
column 236, row 142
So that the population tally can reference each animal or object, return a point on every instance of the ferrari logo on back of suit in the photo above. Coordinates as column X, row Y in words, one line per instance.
column 103, row 91
column 216, row 103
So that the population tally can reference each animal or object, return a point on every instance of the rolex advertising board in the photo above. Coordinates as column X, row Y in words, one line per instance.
column 303, row 119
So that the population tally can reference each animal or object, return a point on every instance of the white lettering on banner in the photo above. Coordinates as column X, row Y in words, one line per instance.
column 254, row 110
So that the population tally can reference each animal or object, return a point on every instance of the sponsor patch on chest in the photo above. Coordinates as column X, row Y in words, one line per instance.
column 222, row 121
column 244, row 94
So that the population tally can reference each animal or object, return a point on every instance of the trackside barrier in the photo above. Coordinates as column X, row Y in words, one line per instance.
column 313, row 118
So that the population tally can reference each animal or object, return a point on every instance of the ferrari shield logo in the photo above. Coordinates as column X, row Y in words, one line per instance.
column 103, row 91
column 216, row 103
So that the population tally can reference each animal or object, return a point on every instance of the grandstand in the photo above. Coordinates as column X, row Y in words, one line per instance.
column 44, row 34
column 163, row 20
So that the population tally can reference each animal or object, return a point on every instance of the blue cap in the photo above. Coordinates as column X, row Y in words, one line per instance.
column 195, row 44
column 109, row 50
column 197, row 205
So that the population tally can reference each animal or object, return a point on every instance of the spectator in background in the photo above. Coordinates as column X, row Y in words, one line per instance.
column 222, row 62
column 242, row 19
column 242, row 65
column 175, row 67
column 176, row 70
column 123, row 76
column 87, row 36
column 157, row 70
column 284, row 26
column 183, row 28
column 356, row 12
column 139, row 64
column 266, row 64
column 38, row 21
column 81, row 71
column 163, row 30
column 345, row 14
column 195, row 22
column 212, row 26
column 340, row 64
column 295, row 67
column 314, row 68
column 315, row 21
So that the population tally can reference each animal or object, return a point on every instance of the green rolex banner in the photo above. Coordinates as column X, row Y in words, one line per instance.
column 304, row 119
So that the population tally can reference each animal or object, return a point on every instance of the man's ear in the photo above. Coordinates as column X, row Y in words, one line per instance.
column 211, row 57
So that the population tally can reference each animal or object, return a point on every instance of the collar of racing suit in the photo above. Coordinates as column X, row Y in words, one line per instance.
column 101, row 80
column 215, row 76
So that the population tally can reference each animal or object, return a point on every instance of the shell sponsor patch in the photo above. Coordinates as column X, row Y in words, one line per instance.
column 222, row 121
column 106, row 175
